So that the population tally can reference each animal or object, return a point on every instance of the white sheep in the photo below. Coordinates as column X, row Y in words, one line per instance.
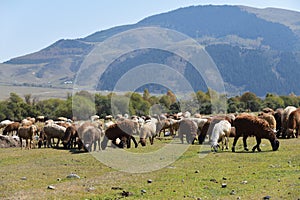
column 221, row 132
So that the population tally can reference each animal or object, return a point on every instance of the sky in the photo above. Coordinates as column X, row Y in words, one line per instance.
column 31, row 25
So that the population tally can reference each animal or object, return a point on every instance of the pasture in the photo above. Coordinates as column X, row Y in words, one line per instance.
column 26, row 174
column 40, row 93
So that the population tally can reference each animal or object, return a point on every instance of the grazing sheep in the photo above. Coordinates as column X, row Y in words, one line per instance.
column 270, row 119
column 69, row 138
column 148, row 130
column 121, row 134
column 293, row 126
column 90, row 135
column 11, row 128
column 27, row 133
column 284, row 121
column 209, row 125
column 5, row 123
column 220, row 132
column 248, row 125
column 189, row 128
column 53, row 131
column 278, row 117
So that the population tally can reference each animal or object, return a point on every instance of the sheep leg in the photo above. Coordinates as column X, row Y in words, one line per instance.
column 234, row 143
column 134, row 141
column 21, row 143
column 227, row 142
column 245, row 143
column 104, row 143
column 151, row 138
column 258, row 141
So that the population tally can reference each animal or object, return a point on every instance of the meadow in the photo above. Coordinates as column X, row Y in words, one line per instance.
column 27, row 174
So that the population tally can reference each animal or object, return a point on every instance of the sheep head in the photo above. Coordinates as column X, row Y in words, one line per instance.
column 143, row 141
column 275, row 145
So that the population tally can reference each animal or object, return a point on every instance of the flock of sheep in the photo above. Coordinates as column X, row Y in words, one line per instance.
column 121, row 130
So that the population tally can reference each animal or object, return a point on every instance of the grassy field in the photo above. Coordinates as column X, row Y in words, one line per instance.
column 26, row 174
column 36, row 92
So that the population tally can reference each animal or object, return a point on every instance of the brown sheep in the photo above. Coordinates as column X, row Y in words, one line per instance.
column 123, row 130
column 270, row 119
column 248, row 125
column 278, row 117
column 70, row 136
column 284, row 120
column 189, row 128
column 11, row 128
column 27, row 133
column 293, row 124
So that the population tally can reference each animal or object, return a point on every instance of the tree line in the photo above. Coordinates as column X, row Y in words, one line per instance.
column 17, row 108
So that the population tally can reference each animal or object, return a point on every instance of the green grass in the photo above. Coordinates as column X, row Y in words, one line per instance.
column 276, row 174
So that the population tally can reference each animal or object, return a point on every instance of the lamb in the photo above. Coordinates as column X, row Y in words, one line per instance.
column 220, row 132
column 249, row 125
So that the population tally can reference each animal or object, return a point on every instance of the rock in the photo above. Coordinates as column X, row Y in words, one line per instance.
column 72, row 175
column 143, row 191
column 23, row 178
column 244, row 182
column 58, row 179
column 91, row 189
column 116, row 188
column 51, row 187
column 267, row 197
column 224, row 185
column 279, row 180
column 213, row 180
column 149, row 181
column 126, row 194
column 197, row 171
column 232, row 192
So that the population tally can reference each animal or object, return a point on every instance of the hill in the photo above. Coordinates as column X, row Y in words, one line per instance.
column 254, row 49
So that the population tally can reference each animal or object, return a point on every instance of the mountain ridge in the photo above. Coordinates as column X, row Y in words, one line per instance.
column 255, row 41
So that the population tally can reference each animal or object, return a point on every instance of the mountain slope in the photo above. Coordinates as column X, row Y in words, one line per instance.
column 255, row 50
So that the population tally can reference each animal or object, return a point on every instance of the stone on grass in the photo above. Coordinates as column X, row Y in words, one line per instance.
column 72, row 175
column 51, row 187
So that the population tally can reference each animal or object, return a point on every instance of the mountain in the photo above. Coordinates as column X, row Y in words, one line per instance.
column 255, row 50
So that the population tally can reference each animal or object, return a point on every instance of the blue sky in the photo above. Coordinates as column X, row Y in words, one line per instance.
column 31, row 25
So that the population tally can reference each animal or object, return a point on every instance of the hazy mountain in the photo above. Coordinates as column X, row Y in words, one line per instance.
column 255, row 50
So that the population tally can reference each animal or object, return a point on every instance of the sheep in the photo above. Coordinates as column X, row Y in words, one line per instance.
column 270, row 119
column 209, row 125
column 4, row 123
column 189, row 128
column 53, row 131
column 220, row 132
column 148, row 130
column 284, row 120
column 70, row 137
column 278, row 118
column 120, row 134
column 89, row 135
column 11, row 128
column 293, row 124
column 27, row 133
column 248, row 125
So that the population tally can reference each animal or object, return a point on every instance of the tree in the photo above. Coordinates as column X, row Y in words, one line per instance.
column 251, row 101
